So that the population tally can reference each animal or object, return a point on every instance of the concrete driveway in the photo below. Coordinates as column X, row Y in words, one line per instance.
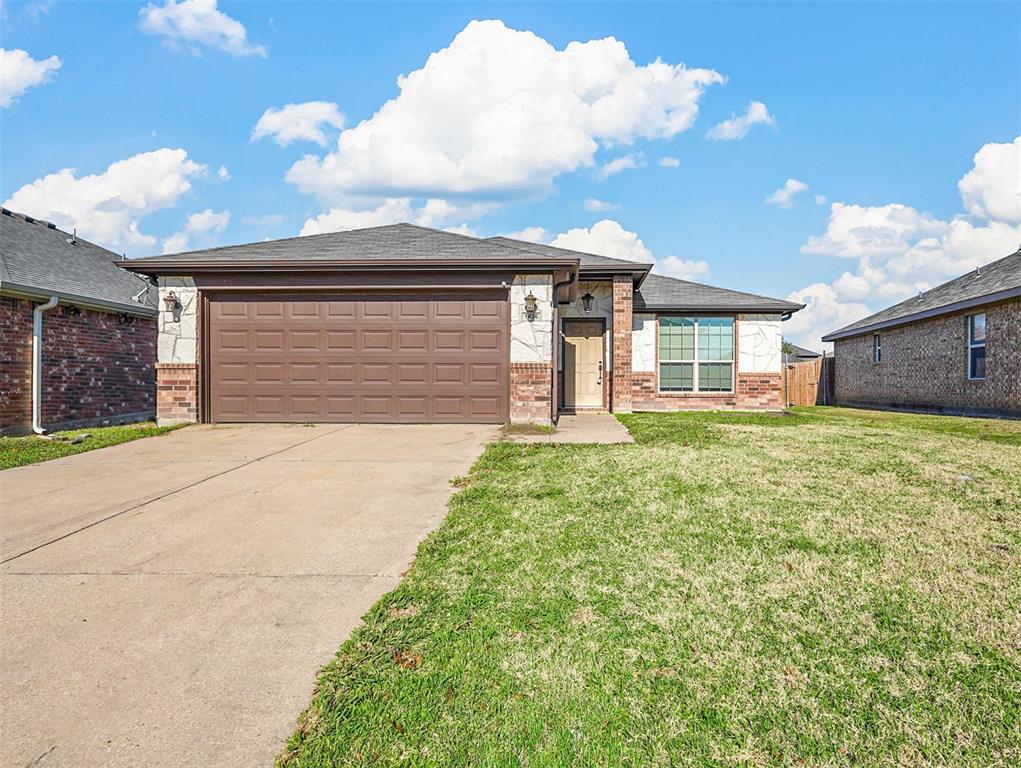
column 168, row 602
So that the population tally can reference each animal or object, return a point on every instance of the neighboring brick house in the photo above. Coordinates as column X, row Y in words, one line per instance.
column 407, row 324
column 953, row 349
column 97, row 328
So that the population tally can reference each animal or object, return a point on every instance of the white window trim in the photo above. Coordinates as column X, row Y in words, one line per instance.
column 972, row 344
column 877, row 348
column 694, row 362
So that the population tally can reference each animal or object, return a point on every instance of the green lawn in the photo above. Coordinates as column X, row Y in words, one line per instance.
column 19, row 451
column 830, row 587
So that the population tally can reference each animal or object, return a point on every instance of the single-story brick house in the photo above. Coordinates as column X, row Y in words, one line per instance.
column 954, row 349
column 406, row 324
column 90, row 325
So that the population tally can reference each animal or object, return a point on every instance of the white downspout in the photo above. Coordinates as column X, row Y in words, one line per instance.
column 37, row 363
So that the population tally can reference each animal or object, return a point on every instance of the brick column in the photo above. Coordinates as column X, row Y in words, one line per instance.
column 620, row 397
column 177, row 393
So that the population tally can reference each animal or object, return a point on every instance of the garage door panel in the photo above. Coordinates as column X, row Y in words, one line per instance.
column 375, row 359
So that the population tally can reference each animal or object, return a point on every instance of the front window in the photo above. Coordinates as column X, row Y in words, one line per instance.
column 877, row 349
column 977, row 346
column 696, row 354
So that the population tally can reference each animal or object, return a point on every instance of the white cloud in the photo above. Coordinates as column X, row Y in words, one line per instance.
column 190, row 25
column 107, row 207
column 685, row 269
column 205, row 222
column 738, row 127
column 855, row 231
column 531, row 235
column 785, row 195
column 599, row 206
column 19, row 72
column 669, row 162
column 990, row 190
column 223, row 174
column 606, row 238
column 609, row 238
column 501, row 113
column 901, row 251
column 433, row 213
column 820, row 199
column 299, row 122
column 623, row 163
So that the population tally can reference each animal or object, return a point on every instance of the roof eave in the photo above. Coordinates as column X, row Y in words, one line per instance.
column 743, row 309
column 86, row 302
column 159, row 266
column 945, row 309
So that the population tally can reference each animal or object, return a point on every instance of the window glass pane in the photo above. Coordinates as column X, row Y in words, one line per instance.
column 978, row 327
column 676, row 338
column 715, row 377
column 715, row 338
column 977, row 359
column 676, row 377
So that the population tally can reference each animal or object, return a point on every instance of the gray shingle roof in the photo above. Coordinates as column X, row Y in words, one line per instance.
column 660, row 292
column 799, row 353
column 999, row 280
column 36, row 257
column 394, row 242
column 587, row 259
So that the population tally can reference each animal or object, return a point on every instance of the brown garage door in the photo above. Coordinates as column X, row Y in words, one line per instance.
column 398, row 358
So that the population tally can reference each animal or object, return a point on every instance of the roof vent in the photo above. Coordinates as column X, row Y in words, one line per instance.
column 73, row 239
column 5, row 211
column 30, row 220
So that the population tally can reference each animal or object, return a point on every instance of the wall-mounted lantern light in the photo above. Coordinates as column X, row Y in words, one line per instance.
column 586, row 302
column 170, row 301
column 531, row 307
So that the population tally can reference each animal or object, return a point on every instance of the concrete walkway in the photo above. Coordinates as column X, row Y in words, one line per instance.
column 168, row 602
column 581, row 428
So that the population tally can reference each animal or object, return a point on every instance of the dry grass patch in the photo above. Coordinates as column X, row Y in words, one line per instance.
column 828, row 588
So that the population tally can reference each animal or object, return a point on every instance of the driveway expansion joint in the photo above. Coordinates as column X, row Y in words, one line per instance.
column 165, row 495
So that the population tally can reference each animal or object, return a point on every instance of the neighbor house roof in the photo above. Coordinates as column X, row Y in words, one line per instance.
column 397, row 245
column 38, row 260
column 799, row 353
column 997, row 281
column 658, row 292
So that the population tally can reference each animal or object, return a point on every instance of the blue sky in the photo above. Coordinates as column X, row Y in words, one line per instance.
column 879, row 107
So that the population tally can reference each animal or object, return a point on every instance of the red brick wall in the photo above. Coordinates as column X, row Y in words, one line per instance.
column 96, row 370
column 531, row 392
column 15, row 364
column 621, row 382
column 925, row 365
column 753, row 392
column 177, row 393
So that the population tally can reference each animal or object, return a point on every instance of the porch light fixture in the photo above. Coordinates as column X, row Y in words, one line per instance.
column 531, row 307
column 586, row 302
column 170, row 301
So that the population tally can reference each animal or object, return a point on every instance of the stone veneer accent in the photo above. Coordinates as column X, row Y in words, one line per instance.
column 620, row 394
column 178, row 330
column 925, row 365
column 177, row 393
column 531, row 393
column 96, row 369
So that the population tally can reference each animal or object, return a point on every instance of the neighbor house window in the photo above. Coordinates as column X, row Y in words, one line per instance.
column 696, row 354
column 877, row 349
column 977, row 346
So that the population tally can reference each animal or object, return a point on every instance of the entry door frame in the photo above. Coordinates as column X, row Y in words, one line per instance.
column 566, row 321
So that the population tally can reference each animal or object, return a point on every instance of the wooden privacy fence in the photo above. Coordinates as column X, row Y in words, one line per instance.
column 809, row 382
